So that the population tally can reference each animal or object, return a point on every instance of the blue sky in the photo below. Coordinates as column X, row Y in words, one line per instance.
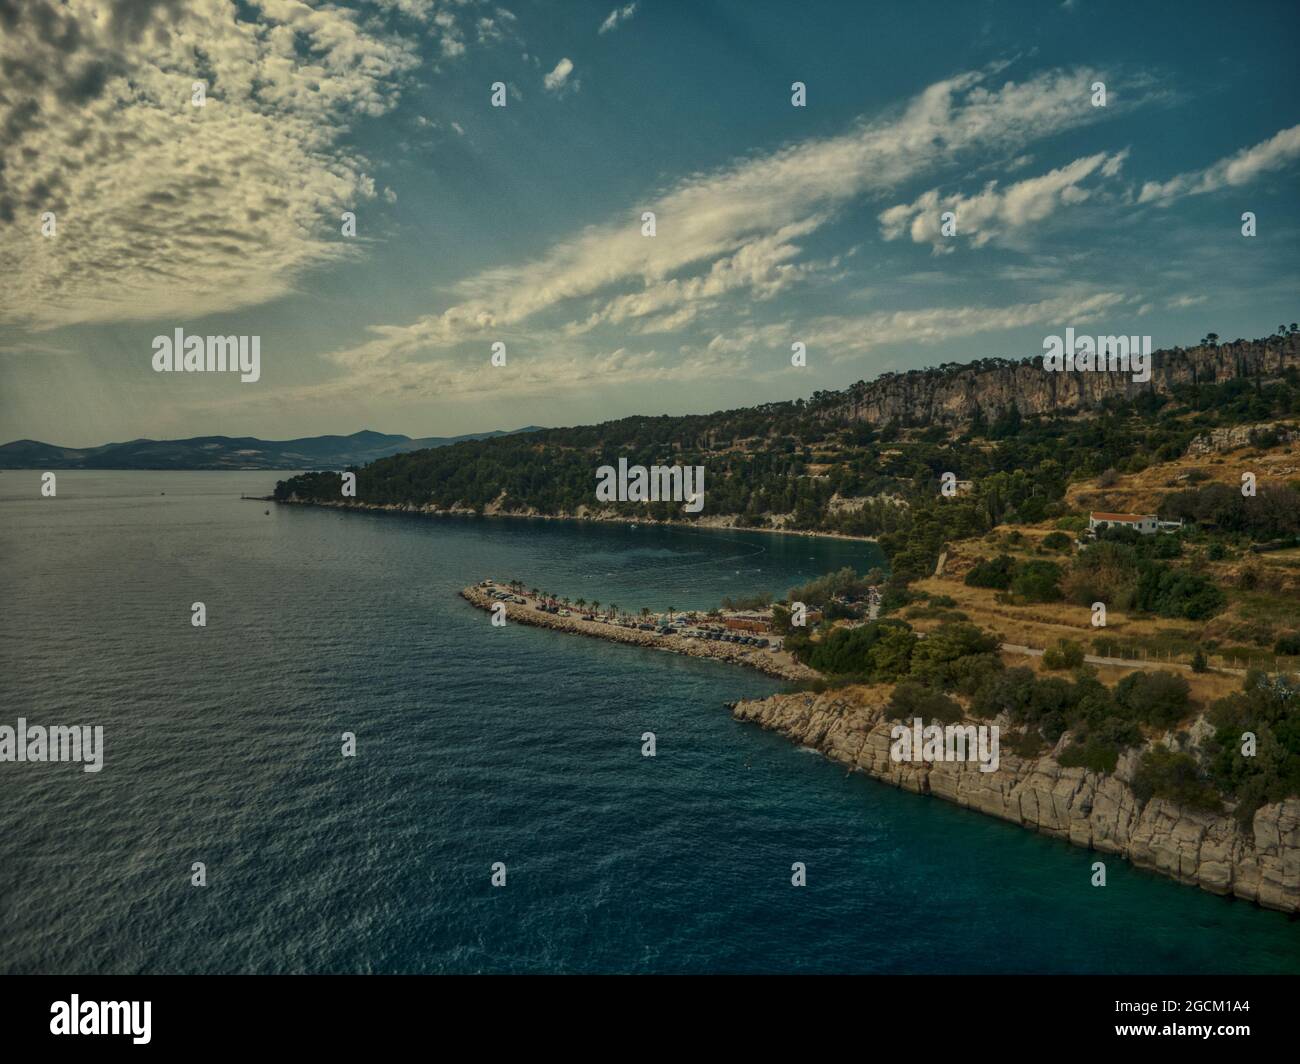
column 522, row 224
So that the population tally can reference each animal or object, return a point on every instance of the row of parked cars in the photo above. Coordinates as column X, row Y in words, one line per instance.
column 718, row 635
column 709, row 634
column 714, row 634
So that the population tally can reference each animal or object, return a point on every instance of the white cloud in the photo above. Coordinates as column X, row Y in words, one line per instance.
column 618, row 15
column 558, row 79
column 166, row 209
column 992, row 213
column 1240, row 169
column 738, row 223
column 845, row 336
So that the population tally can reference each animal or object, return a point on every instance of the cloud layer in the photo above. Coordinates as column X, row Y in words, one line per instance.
column 163, row 208
column 737, row 229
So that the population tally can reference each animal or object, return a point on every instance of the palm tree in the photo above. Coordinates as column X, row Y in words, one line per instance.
column 645, row 612
column 580, row 602
column 533, row 593
column 564, row 601
column 613, row 610
column 671, row 610
column 595, row 605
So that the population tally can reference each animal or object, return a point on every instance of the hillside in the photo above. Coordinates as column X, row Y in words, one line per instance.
column 828, row 465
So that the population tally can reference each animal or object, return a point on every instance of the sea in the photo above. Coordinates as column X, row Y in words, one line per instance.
column 480, row 752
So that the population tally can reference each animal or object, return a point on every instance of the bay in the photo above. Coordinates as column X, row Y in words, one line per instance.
column 477, row 745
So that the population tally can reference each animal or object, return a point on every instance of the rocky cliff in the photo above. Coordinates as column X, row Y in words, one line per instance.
column 1089, row 809
column 955, row 394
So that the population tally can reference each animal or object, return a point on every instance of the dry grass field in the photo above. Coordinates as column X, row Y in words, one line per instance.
column 1263, row 589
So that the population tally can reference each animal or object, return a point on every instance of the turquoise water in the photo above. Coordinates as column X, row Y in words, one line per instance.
column 477, row 745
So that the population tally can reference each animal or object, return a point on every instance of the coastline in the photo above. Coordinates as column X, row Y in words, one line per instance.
column 721, row 524
column 1091, row 810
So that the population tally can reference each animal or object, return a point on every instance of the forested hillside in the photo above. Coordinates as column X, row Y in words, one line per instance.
column 810, row 465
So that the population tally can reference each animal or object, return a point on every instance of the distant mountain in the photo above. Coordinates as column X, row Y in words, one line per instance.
column 227, row 452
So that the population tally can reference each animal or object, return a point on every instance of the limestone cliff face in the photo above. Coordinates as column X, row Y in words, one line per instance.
column 927, row 396
column 1090, row 809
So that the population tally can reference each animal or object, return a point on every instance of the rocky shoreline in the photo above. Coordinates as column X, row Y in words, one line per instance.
column 1097, row 811
column 778, row 664
column 1093, row 810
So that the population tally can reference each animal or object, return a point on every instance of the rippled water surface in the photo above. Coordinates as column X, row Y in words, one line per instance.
column 476, row 745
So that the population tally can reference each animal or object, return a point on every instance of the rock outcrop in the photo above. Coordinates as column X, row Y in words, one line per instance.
column 1231, row 437
column 1096, row 810
column 955, row 395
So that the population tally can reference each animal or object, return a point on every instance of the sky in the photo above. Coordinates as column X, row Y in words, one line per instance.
column 522, row 224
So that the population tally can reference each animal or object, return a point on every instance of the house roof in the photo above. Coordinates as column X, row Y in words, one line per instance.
column 1122, row 517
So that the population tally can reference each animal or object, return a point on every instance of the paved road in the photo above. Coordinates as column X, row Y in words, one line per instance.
column 1127, row 663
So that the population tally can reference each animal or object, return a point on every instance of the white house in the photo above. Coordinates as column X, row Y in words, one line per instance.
column 1146, row 524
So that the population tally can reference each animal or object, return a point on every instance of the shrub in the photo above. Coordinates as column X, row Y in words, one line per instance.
column 1065, row 655
column 1057, row 541
column 1158, row 698
column 995, row 574
column 849, row 651
column 1091, row 754
column 1007, row 692
column 819, row 592
column 1172, row 592
column 945, row 656
column 1099, row 748
column 1288, row 644
column 1171, row 774
column 1269, row 709
column 1027, row 743
column 911, row 699
column 1037, row 582
column 891, row 657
